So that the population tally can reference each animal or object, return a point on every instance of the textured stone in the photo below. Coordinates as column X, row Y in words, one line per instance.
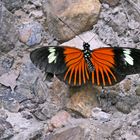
column 73, row 133
column 97, row 114
column 123, row 107
column 6, row 130
column 60, row 119
column 110, row 2
column 13, row 4
column 138, row 91
column 83, row 100
column 30, row 33
column 8, row 33
column 79, row 15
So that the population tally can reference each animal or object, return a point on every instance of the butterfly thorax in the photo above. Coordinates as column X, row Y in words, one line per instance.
column 87, row 56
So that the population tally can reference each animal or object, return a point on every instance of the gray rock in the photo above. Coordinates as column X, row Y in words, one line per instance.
column 138, row 91
column 8, row 33
column 11, row 105
column 110, row 2
column 123, row 107
column 30, row 33
column 6, row 129
column 72, row 133
column 13, row 4
column 97, row 114
column 6, row 63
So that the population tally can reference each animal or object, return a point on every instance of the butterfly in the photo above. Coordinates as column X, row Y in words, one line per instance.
column 101, row 66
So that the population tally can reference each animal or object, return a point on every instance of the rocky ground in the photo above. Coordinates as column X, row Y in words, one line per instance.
column 32, row 108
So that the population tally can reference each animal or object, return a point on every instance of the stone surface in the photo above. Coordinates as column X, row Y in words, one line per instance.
column 8, row 32
column 30, row 33
column 79, row 15
column 73, row 133
column 123, row 107
column 138, row 91
column 6, row 129
column 13, row 4
column 83, row 100
column 60, row 119
column 97, row 114
column 9, row 79
column 110, row 2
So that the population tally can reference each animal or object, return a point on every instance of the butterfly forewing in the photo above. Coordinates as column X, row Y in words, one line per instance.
column 49, row 59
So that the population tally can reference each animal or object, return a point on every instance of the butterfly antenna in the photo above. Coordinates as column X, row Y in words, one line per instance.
column 71, row 29
column 97, row 29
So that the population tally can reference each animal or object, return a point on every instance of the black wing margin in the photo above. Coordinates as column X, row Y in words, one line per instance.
column 49, row 59
column 127, row 61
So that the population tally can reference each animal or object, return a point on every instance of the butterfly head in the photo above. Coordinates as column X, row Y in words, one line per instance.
column 86, row 46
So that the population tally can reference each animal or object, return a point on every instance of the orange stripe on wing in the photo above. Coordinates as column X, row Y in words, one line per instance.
column 103, row 61
column 74, row 59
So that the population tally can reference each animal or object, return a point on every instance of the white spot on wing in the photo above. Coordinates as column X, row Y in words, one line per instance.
column 128, row 58
column 52, row 56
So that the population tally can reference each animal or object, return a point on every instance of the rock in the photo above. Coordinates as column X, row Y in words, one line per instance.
column 79, row 15
column 8, row 32
column 6, row 130
column 56, row 98
column 13, row 4
column 83, row 100
column 138, row 91
column 30, row 33
column 27, row 115
column 25, row 129
column 11, row 105
column 97, row 114
column 37, row 14
column 9, row 79
column 3, row 114
column 72, row 133
column 110, row 2
column 123, row 107
column 138, row 132
column 126, row 85
column 6, row 62
column 60, row 119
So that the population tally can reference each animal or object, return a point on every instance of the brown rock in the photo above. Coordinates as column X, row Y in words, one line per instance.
column 73, row 133
column 126, row 85
column 79, row 15
column 110, row 2
column 83, row 100
column 60, row 119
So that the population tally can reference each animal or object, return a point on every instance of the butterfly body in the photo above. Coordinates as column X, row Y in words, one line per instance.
column 102, row 66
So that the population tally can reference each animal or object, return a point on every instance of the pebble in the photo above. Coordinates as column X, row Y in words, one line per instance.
column 11, row 105
column 30, row 33
column 123, row 107
column 97, row 114
column 60, row 119
column 138, row 91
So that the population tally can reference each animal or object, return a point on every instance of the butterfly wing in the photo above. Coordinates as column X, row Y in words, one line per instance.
column 113, row 64
column 65, row 62
column 49, row 59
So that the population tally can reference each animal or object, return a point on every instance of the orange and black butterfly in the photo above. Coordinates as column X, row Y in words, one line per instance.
column 102, row 66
